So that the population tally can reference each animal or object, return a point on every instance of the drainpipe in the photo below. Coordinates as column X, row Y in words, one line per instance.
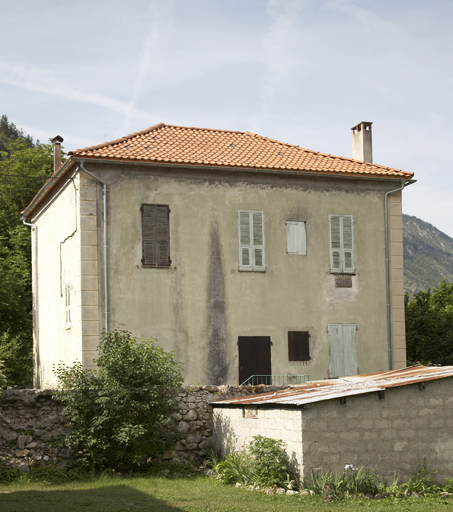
column 106, row 282
column 387, row 270
column 34, row 228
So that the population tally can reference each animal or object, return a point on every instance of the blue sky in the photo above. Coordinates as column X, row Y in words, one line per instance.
column 300, row 71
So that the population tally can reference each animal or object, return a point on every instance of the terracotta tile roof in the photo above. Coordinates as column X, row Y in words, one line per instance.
column 199, row 146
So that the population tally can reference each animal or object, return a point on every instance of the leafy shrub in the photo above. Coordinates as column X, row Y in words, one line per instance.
column 120, row 413
column 2, row 376
column 264, row 463
column 269, row 461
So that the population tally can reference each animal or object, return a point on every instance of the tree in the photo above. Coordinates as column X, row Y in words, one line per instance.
column 24, row 168
column 429, row 326
column 120, row 412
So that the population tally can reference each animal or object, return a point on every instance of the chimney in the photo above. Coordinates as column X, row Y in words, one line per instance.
column 362, row 147
column 56, row 152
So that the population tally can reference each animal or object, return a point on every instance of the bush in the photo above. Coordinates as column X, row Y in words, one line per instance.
column 263, row 464
column 119, row 414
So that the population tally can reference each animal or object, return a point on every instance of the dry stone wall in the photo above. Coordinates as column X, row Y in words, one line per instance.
column 31, row 423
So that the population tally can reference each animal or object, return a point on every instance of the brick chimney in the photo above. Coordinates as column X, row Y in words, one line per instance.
column 362, row 147
column 56, row 141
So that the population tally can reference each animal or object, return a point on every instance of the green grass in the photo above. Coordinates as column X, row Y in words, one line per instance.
column 198, row 494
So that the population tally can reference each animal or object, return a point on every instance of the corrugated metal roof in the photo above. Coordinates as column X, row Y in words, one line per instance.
column 316, row 391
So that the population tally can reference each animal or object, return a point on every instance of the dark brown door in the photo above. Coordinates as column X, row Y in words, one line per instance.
column 254, row 358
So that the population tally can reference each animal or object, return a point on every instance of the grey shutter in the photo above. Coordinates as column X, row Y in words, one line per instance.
column 245, row 241
column 342, row 350
column 258, row 240
column 348, row 244
column 156, row 235
column 341, row 244
column 335, row 244
column 251, row 240
column 296, row 238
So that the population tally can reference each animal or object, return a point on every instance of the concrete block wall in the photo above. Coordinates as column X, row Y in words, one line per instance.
column 235, row 427
column 392, row 434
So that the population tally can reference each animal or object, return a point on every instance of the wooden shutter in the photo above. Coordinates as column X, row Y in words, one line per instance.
column 296, row 238
column 342, row 350
column 245, row 241
column 299, row 346
column 156, row 235
column 251, row 240
column 341, row 244
column 255, row 358
column 258, row 240
column 348, row 244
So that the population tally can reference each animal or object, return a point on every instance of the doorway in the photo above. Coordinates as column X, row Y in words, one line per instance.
column 255, row 359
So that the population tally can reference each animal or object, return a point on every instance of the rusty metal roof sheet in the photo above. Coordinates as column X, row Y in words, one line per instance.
column 316, row 391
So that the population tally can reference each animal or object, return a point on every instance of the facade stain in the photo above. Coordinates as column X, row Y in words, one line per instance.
column 216, row 328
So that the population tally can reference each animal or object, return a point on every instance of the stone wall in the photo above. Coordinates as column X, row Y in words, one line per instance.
column 31, row 422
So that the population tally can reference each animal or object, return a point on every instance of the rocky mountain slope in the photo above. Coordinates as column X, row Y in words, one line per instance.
column 428, row 255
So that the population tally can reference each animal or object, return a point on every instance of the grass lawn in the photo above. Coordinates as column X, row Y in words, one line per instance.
column 198, row 494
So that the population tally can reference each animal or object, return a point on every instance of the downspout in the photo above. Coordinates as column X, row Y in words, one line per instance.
column 106, row 282
column 34, row 228
column 387, row 270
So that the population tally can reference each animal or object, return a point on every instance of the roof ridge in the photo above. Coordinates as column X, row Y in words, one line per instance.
column 204, row 129
column 122, row 139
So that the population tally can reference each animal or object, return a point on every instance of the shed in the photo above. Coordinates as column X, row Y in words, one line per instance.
column 387, row 420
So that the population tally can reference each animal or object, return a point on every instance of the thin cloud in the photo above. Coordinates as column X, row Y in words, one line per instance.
column 148, row 63
column 44, row 81
column 278, row 58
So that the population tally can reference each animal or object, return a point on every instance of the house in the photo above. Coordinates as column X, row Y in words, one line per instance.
column 245, row 255
column 389, row 421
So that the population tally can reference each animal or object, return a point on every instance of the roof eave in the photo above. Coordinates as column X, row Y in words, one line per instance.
column 406, row 176
column 47, row 187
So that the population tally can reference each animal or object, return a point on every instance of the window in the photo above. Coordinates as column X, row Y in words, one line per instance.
column 342, row 350
column 299, row 346
column 341, row 244
column 251, row 241
column 296, row 238
column 67, row 300
column 155, row 235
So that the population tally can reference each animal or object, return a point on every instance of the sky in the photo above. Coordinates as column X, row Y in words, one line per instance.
column 299, row 71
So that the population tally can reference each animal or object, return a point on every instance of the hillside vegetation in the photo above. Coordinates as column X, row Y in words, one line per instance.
column 428, row 255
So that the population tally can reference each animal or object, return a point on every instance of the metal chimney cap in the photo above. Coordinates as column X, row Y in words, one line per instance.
column 57, row 140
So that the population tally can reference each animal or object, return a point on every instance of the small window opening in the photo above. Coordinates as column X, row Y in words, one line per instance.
column 67, row 295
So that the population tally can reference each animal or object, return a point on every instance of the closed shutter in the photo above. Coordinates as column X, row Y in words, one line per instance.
column 348, row 244
column 296, row 238
column 156, row 235
column 299, row 346
column 251, row 240
column 342, row 350
column 341, row 244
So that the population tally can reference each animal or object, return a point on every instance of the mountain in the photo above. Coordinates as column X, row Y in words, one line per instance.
column 428, row 255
